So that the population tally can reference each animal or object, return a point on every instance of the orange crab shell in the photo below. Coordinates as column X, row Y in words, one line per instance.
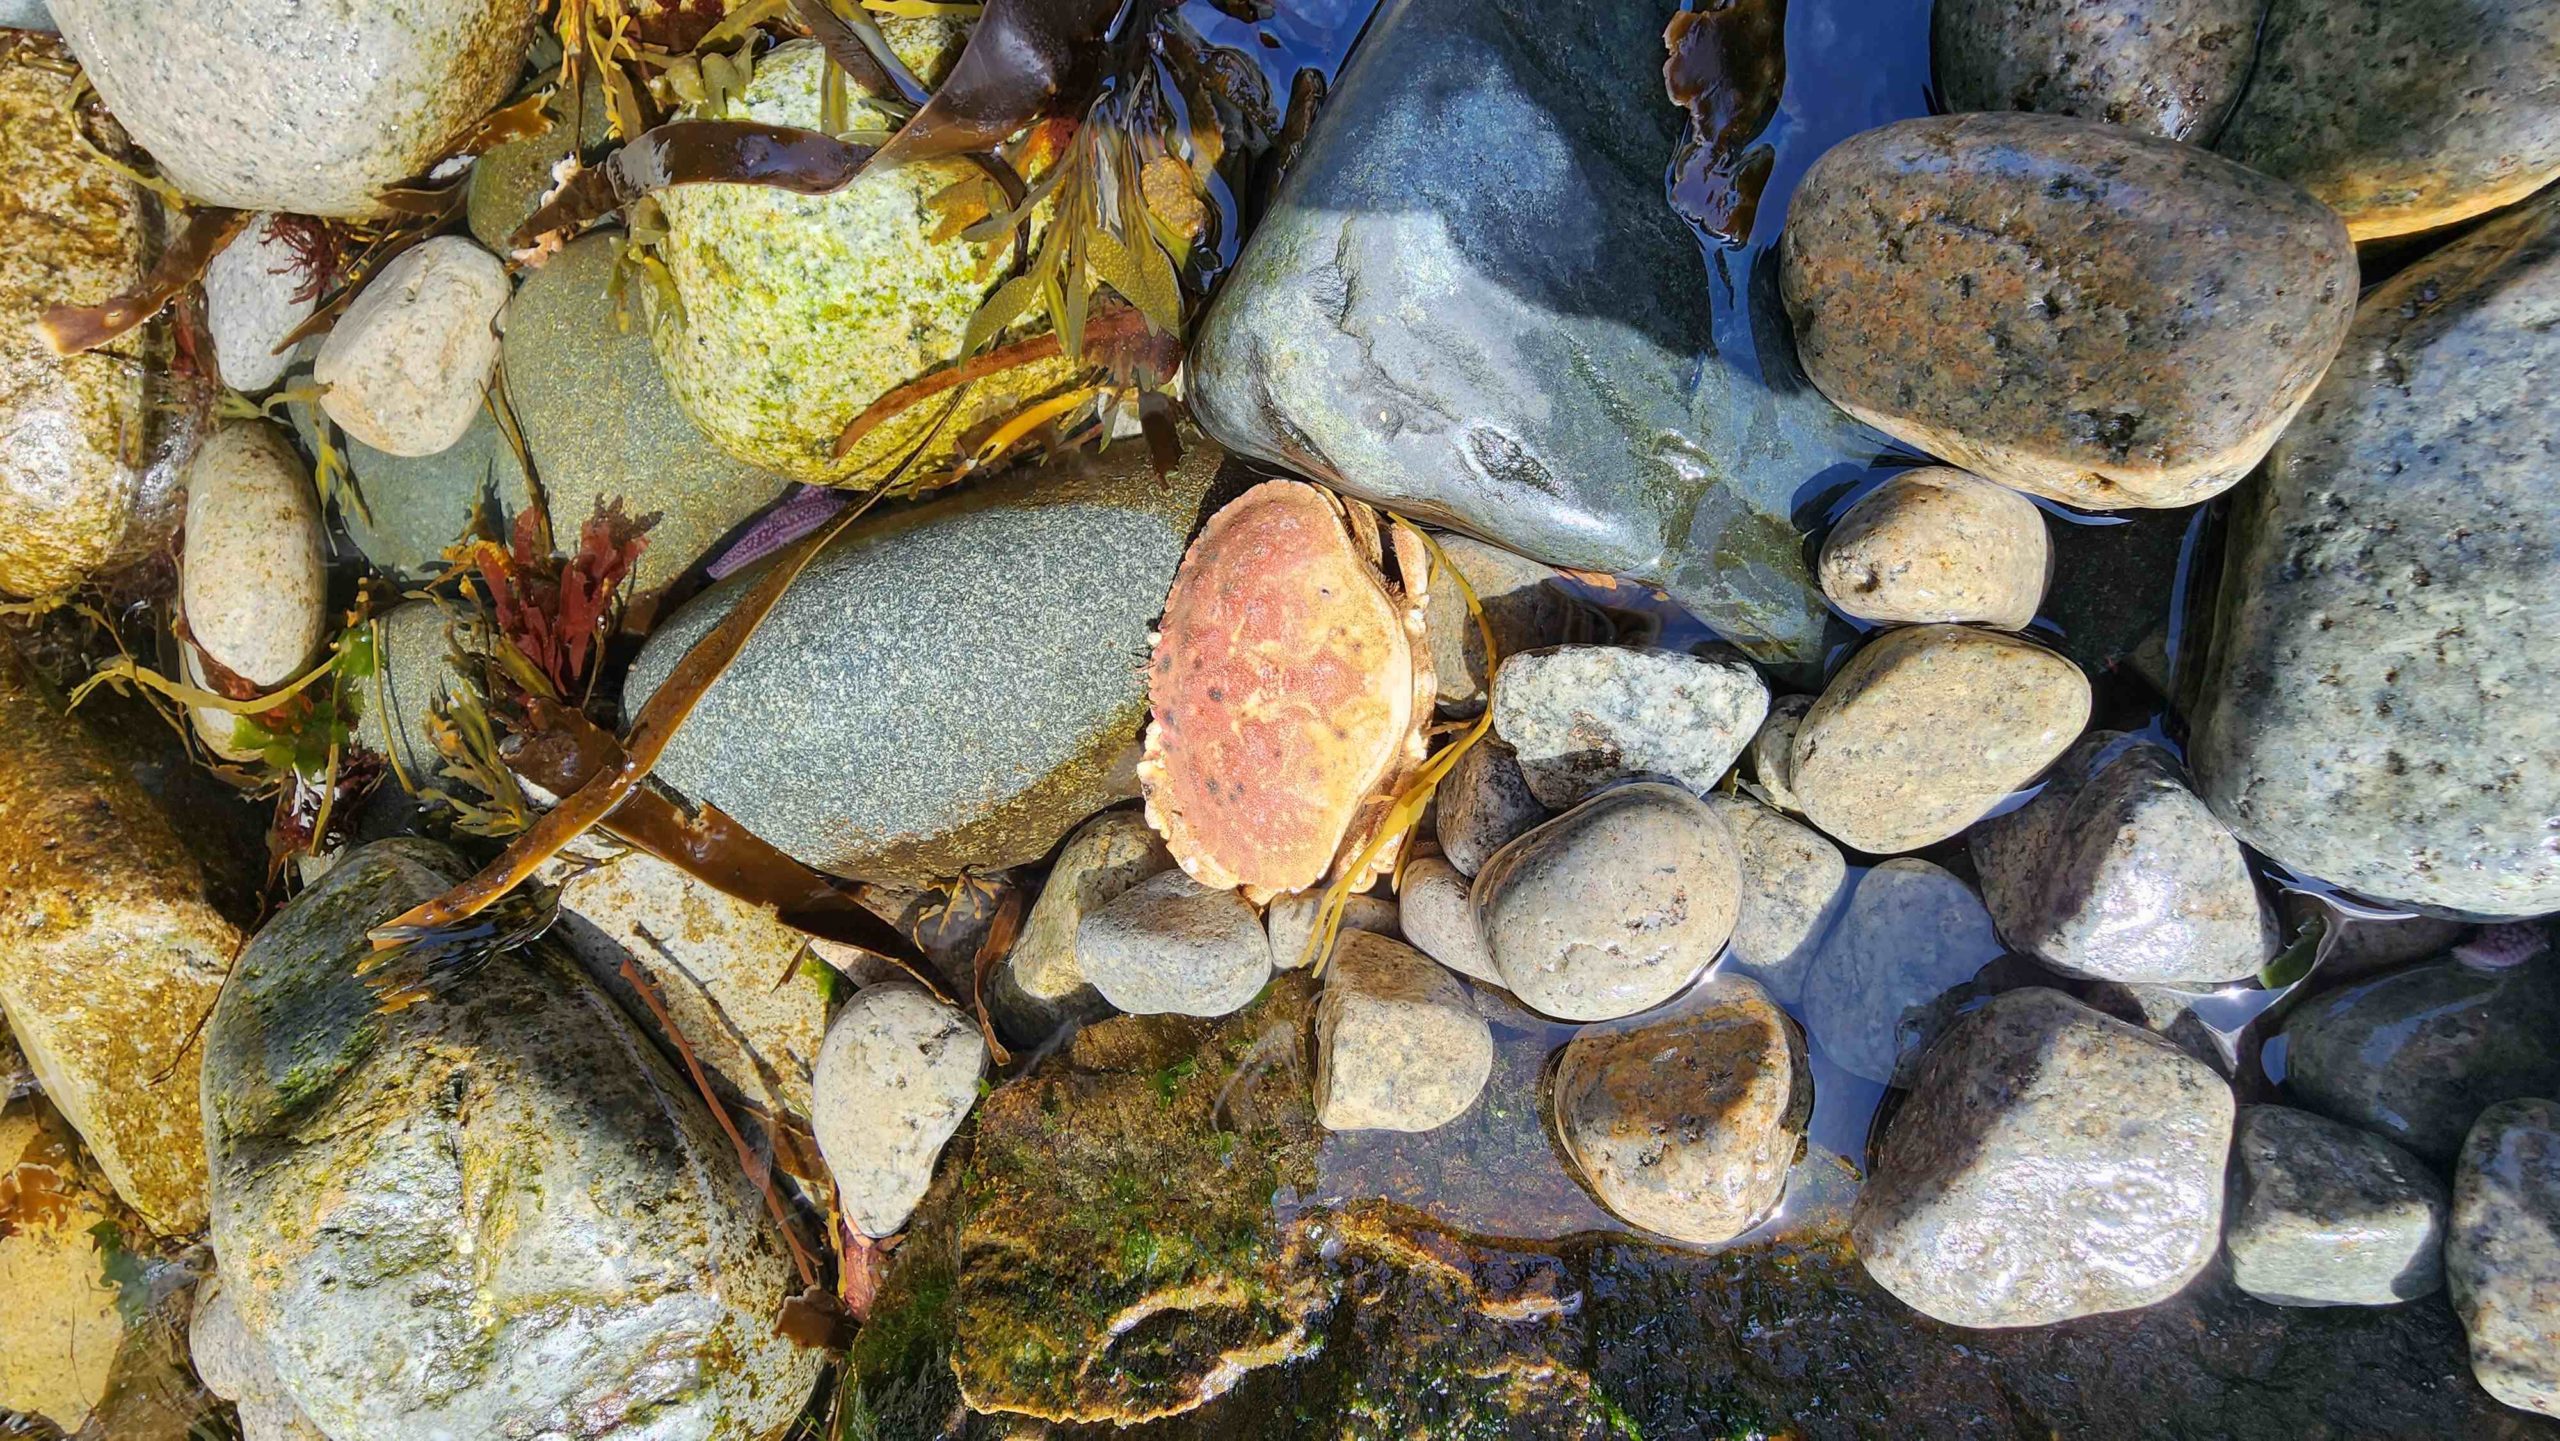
column 1291, row 689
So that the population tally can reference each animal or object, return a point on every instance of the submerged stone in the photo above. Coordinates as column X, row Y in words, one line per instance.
column 408, row 510
column 496, row 1212
column 1518, row 344
column 947, row 686
column 2416, row 1055
column 2381, row 697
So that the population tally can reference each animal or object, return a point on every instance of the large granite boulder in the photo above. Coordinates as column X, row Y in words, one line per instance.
column 110, row 952
column 2404, row 115
column 2381, row 698
column 2417, row 1055
column 497, row 1212
column 279, row 105
column 1469, row 302
column 2051, row 1163
column 947, row 686
column 88, row 470
column 603, row 429
column 2071, row 308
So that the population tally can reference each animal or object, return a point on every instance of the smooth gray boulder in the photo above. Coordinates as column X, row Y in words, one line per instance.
column 2381, row 696
column 2323, row 1214
column 2050, row 1163
column 2115, row 871
column 1171, row 946
column 498, row 1212
column 406, row 511
column 948, row 686
column 2502, row 1254
column 25, row 15
column 1525, row 606
column 1437, row 915
column 1469, row 302
column 1398, row 1043
column 603, row 428
column 2416, row 1055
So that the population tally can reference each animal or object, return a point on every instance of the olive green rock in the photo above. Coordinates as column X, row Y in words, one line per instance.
column 791, row 314
column 2070, row 308
column 2417, row 1055
column 85, row 479
column 602, row 428
column 495, row 1212
column 948, row 686
column 2403, row 115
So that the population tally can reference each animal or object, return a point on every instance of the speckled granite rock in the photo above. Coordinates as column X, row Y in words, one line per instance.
column 407, row 365
column 25, row 15
column 87, row 477
column 2416, row 1055
column 602, row 427
column 415, row 507
column 1936, row 544
column 252, row 301
column 2403, row 115
column 1612, row 907
column 2051, row 1162
column 1483, row 804
column 94, row 883
column 486, row 1212
column 2117, row 872
column 2499, row 1253
column 1687, row 1123
column 276, row 105
column 2323, row 1214
column 1398, row 1043
column 948, row 686
column 1910, row 933
column 1525, row 606
column 2170, row 67
column 1437, row 914
column 1772, row 752
column 898, row 1074
column 1171, row 946
column 1929, row 727
column 797, row 311
column 1041, row 984
column 1431, row 336
column 1794, row 884
column 2378, row 708
column 1579, row 717
column 2076, row 310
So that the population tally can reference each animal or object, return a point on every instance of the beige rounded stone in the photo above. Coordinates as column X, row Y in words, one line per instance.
column 1772, row 752
column 1612, row 907
column 408, row 366
column 1928, row 728
column 2083, row 312
column 896, row 1076
column 254, row 580
column 1399, row 1044
column 1793, row 885
column 252, row 300
column 1686, row 1125
column 1936, row 544
column 1437, row 915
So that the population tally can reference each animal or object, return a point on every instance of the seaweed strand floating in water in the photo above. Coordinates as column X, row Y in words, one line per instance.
column 1727, row 67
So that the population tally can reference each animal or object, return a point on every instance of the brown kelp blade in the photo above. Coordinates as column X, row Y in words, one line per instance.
column 843, row 45
column 71, row 329
column 699, row 152
column 1728, row 67
column 656, row 726
column 1117, row 336
column 1026, row 61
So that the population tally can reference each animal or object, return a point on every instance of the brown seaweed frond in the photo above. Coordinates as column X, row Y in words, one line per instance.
column 74, row 329
column 1397, row 825
column 413, row 963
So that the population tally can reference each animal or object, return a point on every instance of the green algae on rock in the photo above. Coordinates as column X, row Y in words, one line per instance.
column 952, row 685
column 111, row 955
column 793, row 313
column 81, row 483
column 602, row 428
column 497, row 1212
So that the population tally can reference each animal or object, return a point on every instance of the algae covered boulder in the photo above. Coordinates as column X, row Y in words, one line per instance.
column 88, row 461
column 110, row 952
column 793, row 313
column 945, row 686
column 494, row 1213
